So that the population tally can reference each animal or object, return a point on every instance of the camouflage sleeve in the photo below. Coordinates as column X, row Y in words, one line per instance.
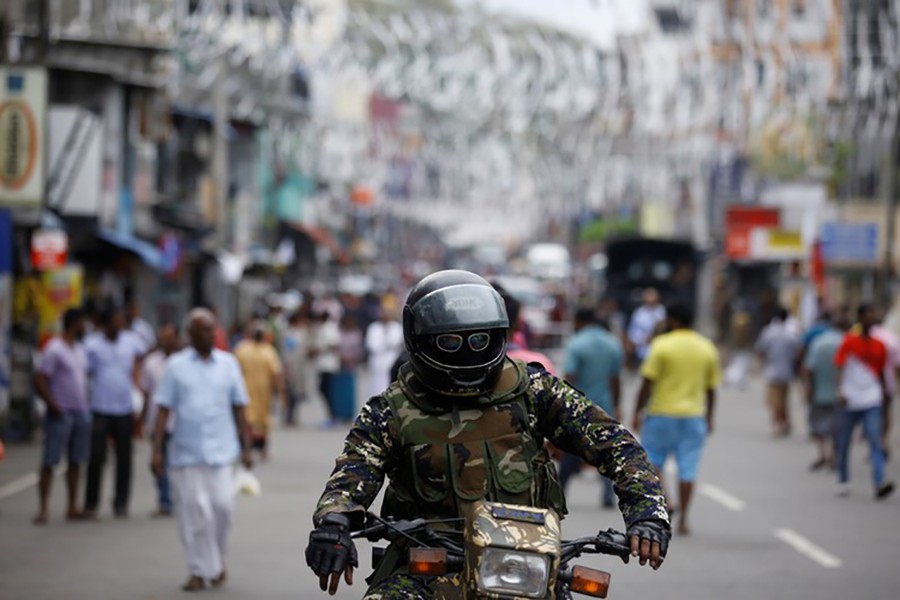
column 360, row 470
column 578, row 426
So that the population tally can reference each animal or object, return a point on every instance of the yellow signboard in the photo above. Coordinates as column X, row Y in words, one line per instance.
column 786, row 240
column 47, row 296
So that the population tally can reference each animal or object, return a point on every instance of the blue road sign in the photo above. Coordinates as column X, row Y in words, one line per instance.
column 856, row 242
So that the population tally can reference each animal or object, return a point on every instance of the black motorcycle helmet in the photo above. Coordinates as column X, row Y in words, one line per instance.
column 455, row 328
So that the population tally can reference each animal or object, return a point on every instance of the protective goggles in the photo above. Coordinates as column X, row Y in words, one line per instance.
column 453, row 342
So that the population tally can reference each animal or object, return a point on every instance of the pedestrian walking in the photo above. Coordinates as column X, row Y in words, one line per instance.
column 741, row 338
column 892, row 345
column 778, row 345
column 151, row 373
column 264, row 377
column 326, row 339
column 61, row 382
column 821, row 376
column 384, row 343
column 643, row 324
column 114, row 363
column 680, row 377
column 297, row 363
column 350, row 346
column 203, row 389
column 139, row 326
column 276, row 322
column 861, row 360
column 343, row 384
column 593, row 365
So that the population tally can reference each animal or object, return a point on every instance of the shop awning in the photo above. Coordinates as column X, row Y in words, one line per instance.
column 147, row 252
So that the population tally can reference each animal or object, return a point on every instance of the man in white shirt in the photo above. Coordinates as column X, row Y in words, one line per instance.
column 297, row 364
column 384, row 342
column 326, row 340
column 139, row 326
column 643, row 323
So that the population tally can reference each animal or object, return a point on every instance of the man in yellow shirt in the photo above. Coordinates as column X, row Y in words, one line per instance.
column 680, row 376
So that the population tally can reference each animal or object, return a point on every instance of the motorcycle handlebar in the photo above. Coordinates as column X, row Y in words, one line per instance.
column 614, row 543
column 390, row 530
column 609, row 542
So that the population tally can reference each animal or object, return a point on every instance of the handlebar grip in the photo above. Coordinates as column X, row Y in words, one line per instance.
column 614, row 543
column 373, row 534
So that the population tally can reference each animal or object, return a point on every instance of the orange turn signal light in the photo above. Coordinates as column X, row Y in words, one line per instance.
column 427, row 561
column 590, row 582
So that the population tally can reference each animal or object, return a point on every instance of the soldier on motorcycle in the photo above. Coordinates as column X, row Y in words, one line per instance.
column 464, row 423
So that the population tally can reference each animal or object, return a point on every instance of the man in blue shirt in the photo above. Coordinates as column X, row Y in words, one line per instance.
column 593, row 364
column 114, row 363
column 821, row 376
column 204, row 389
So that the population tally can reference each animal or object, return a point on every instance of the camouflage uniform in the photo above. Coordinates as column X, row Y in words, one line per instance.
column 438, row 457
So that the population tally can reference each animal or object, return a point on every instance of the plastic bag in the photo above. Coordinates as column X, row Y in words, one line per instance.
column 246, row 483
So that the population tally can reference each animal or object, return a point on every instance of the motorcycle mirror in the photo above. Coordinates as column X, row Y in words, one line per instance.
column 427, row 561
column 590, row 582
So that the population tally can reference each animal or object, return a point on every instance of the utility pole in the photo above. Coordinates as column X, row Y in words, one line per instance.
column 219, row 166
column 892, row 197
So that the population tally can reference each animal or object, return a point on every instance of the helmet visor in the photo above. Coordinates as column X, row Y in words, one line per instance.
column 453, row 342
column 458, row 308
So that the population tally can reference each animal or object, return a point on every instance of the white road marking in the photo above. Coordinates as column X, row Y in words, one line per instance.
column 808, row 549
column 23, row 483
column 719, row 495
column 18, row 485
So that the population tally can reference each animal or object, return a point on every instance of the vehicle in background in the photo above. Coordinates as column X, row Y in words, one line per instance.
column 549, row 262
column 634, row 264
column 538, row 305
column 485, row 259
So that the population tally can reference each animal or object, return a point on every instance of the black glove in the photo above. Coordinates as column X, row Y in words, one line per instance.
column 654, row 530
column 330, row 548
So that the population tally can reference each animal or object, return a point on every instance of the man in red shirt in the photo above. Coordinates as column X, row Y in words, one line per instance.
column 862, row 399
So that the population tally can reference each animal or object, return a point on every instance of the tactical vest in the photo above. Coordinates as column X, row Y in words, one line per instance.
column 458, row 453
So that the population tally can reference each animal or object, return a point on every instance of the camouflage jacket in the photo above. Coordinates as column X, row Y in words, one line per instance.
column 553, row 410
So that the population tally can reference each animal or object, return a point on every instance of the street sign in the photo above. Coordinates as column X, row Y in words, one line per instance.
column 740, row 221
column 849, row 242
column 23, row 107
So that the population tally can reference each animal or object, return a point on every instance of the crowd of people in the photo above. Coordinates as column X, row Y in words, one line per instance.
column 207, row 400
column 848, row 368
column 203, row 399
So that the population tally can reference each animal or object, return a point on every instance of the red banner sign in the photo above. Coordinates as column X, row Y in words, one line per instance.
column 49, row 249
column 740, row 220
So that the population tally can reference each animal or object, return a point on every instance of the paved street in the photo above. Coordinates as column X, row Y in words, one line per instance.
column 764, row 527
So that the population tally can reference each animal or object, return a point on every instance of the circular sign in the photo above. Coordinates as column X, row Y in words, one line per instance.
column 18, row 144
column 49, row 248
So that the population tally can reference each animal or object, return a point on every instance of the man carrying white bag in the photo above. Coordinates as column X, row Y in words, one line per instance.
column 204, row 389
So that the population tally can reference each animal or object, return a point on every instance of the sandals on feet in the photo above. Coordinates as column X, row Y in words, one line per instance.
column 194, row 584
column 220, row 579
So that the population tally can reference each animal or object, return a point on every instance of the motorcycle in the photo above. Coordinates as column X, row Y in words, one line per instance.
column 505, row 552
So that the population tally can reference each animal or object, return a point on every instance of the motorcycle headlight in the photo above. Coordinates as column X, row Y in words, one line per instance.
column 511, row 572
